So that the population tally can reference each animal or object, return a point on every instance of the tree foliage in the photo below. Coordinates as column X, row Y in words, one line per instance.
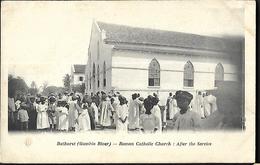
column 66, row 81
column 33, row 89
column 53, row 89
column 16, row 85
column 78, row 88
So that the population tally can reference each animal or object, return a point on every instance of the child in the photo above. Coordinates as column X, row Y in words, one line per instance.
column 149, row 123
column 122, row 114
column 62, row 116
column 42, row 116
column 52, row 112
column 84, row 118
column 23, row 117
column 185, row 119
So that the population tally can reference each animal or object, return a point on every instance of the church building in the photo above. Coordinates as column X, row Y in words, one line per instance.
column 146, row 61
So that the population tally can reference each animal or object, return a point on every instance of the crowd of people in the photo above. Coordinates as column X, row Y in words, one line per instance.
column 76, row 112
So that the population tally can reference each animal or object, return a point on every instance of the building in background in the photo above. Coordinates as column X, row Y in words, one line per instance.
column 129, row 59
column 77, row 74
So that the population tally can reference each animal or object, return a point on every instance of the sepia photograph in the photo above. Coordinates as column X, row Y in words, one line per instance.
column 125, row 68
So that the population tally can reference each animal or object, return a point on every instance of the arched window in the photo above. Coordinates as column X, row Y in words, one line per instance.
column 86, row 80
column 104, row 75
column 94, row 74
column 219, row 74
column 98, row 50
column 154, row 73
column 89, row 80
column 94, row 70
column 98, row 76
column 188, row 78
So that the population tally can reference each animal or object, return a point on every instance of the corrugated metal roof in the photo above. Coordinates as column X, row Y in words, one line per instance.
column 133, row 35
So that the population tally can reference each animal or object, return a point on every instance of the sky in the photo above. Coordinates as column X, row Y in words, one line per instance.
column 41, row 40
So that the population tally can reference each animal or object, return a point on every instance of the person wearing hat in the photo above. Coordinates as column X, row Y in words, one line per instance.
column 52, row 112
column 42, row 116
column 185, row 119
column 106, row 111
column 23, row 117
column 65, row 96
column 149, row 123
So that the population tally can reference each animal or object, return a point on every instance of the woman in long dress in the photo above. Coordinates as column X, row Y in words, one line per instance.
column 133, row 117
column 91, row 113
column 73, row 113
column 62, row 116
column 106, row 112
column 42, row 116
column 121, row 115
column 32, row 113
column 206, row 105
column 198, row 104
column 149, row 123
column 84, row 119
column 94, row 106
column 157, row 112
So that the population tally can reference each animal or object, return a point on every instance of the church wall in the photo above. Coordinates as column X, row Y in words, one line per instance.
column 130, row 71
column 105, row 52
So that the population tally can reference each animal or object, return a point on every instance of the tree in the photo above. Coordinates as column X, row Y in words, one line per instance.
column 45, row 84
column 53, row 89
column 79, row 88
column 33, row 84
column 66, row 81
column 16, row 85
column 33, row 90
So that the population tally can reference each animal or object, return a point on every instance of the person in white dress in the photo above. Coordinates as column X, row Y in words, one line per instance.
column 84, row 119
column 197, row 105
column 133, row 116
column 42, row 116
column 149, row 123
column 169, row 106
column 62, row 115
column 94, row 106
column 121, row 115
column 73, row 113
column 156, row 111
column 185, row 120
column 206, row 105
column 213, row 102
column 106, row 112
column 174, row 105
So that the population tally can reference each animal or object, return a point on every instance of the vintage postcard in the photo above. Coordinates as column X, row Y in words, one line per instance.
column 128, row 81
